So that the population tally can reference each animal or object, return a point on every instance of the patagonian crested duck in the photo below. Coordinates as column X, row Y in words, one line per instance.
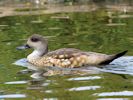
column 64, row 57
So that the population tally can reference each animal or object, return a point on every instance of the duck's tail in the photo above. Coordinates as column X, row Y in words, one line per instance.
column 113, row 57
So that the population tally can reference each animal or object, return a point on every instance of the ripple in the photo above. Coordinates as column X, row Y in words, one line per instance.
column 84, row 88
column 122, row 93
column 23, row 62
column 122, row 65
column 13, row 96
column 124, row 61
column 4, row 25
column 37, row 21
column 45, row 84
column 49, row 91
column 16, row 82
column 125, row 16
column 34, row 88
column 50, row 99
column 37, row 75
column 84, row 78
column 113, row 99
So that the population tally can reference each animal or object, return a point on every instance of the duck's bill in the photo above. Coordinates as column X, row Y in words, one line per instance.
column 23, row 47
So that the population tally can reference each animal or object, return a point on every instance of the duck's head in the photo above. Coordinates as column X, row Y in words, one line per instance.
column 37, row 42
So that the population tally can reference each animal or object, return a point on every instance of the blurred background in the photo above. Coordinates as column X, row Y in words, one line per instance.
column 104, row 26
column 65, row 5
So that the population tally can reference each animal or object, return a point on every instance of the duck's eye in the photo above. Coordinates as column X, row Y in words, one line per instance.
column 34, row 39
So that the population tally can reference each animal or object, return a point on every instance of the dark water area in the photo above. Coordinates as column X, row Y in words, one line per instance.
column 91, row 31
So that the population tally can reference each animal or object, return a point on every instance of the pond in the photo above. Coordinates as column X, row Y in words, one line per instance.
column 90, row 31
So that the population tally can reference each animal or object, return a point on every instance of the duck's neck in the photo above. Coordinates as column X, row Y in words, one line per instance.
column 37, row 54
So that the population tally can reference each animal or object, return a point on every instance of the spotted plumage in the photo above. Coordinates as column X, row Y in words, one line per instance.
column 65, row 57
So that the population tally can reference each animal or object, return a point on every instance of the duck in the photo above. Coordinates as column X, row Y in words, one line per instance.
column 64, row 57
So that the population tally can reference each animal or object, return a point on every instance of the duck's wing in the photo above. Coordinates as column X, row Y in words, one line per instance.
column 64, row 52
column 66, row 57
column 76, row 58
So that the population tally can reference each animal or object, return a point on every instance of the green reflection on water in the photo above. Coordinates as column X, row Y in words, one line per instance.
column 85, row 31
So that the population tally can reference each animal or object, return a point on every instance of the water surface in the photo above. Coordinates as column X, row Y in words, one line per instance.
column 86, row 31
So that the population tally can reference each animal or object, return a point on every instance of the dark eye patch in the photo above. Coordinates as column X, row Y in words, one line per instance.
column 34, row 39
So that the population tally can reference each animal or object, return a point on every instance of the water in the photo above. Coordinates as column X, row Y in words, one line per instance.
column 85, row 31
